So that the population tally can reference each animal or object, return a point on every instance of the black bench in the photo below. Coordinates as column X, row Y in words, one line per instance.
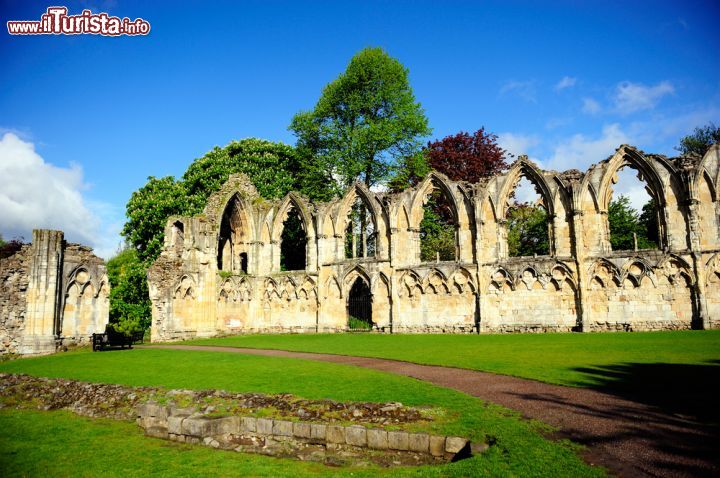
column 112, row 338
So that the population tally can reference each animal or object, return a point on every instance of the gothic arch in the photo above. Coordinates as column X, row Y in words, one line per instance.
column 236, row 233
column 292, row 200
column 441, row 182
column 358, row 190
column 524, row 168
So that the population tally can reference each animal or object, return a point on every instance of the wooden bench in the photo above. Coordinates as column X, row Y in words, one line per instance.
column 112, row 338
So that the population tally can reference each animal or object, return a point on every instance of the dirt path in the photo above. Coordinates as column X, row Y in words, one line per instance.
column 628, row 438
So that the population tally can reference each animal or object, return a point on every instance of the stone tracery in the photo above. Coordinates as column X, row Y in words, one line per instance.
column 581, row 285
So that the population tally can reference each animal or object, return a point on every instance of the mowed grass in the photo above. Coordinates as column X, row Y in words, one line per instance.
column 59, row 444
column 584, row 360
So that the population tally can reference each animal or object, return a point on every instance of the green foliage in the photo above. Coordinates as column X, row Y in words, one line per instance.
column 358, row 324
column 625, row 221
column 437, row 230
column 293, row 243
column 129, row 298
column 364, row 120
column 2, row 241
column 410, row 171
column 700, row 140
column 270, row 166
column 147, row 212
column 527, row 230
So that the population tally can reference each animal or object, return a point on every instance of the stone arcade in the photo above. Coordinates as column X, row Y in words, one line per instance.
column 52, row 294
column 220, row 271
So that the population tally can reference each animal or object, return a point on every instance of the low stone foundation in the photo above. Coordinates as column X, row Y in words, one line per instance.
column 304, row 440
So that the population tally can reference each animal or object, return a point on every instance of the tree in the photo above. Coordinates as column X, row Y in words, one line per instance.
column 465, row 157
column 700, row 141
column 129, row 298
column 363, row 122
column 527, row 230
column 625, row 225
column 147, row 212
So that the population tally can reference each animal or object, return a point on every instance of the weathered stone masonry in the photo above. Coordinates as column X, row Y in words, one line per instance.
column 52, row 294
column 219, row 272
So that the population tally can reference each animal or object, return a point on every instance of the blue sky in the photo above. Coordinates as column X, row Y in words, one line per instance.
column 84, row 120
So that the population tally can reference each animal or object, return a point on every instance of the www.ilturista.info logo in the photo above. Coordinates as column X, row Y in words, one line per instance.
column 56, row 21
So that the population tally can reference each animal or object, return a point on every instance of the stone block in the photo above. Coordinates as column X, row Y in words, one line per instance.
column 174, row 424
column 419, row 442
column 152, row 409
column 335, row 434
column 318, row 432
column 301, row 430
column 225, row 425
column 157, row 432
column 282, row 428
column 437, row 445
column 455, row 444
column 398, row 441
column 264, row 426
column 356, row 436
column 152, row 422
column 197, row 427
column 248, row 424
column 377, row 439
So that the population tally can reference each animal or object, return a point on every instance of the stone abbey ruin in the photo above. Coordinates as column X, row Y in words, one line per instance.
column 224, row 271
column 52, row 294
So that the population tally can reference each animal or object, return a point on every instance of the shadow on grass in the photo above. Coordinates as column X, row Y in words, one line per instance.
column 667, row 423
column 681, row 390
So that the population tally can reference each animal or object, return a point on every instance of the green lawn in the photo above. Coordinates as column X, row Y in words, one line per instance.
column 585, row 360
column 56, row 443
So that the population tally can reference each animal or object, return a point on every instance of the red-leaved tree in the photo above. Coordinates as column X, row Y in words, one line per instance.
column 466, row 157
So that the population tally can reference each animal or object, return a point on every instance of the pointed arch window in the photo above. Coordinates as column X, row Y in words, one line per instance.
column 293, row 242
column 438, row 227
column 360, row 231
column 234, row 238
column 526, row 219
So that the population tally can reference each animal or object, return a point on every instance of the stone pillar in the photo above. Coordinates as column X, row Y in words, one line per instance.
column 44, row 293
column 577, row 228
column 703, row 319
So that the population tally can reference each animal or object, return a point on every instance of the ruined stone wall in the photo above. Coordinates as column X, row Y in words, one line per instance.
column 14, row 285
column 52, row 294
column 220, row 271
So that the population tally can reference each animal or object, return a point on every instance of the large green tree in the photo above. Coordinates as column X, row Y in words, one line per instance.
column 274, row 168
column 129, row 299
column 363, row 122
column 527, row 230
column 626, row 224
column 700, row 140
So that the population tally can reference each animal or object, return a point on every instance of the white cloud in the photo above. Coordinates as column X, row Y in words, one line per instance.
column 35, row 194
column 523, row 89
column 565, row 82
column 590, row 106
column 579, row 151
column 631, row 97
column 517, row 144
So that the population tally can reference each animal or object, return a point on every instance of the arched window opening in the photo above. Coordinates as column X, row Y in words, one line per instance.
column 359, row 306
column 632, row 212
column 234, row 241
column 178, row 236
column 438, row 228
column 527, row 221
column 360, row 234
column 293, row 243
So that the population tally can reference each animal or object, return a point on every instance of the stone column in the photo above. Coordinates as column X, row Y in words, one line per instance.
column 44, row 294
column 703, row 319
column 577, row 228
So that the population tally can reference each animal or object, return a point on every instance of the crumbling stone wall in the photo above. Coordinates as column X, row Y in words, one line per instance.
column 52, row 294
column 219, row 272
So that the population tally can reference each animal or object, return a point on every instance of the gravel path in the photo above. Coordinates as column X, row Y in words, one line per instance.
column 628, row 438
